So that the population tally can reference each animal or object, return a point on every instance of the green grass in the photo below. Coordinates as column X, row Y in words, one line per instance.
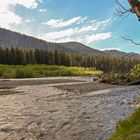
column 31, row 71
column 129, row 129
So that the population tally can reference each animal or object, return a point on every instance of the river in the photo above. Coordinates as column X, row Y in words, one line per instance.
column 44, row 112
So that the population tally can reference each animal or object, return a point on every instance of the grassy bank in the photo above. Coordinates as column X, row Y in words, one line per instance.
column 31, row 71
column 128, row 129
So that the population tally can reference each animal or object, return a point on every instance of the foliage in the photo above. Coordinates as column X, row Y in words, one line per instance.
column 18, row 56
column 130, row 78
column 28, row 71
column 129, row 129
column 136, row 71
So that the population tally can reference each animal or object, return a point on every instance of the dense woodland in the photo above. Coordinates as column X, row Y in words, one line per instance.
column 16, row 56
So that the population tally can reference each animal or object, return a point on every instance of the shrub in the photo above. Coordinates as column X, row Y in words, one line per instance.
column 23, row 73
column 136, row 71
column 28, row 71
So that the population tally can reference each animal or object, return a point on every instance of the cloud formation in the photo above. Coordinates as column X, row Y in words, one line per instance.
column 42, row 10
column 7, row 15
column 96, row 37
column 58, row 23
column 85, row 33
column 109, row 49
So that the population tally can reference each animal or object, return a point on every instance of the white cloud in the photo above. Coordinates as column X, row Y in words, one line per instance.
column 87, row 28
column 57, row 35
column 9, row 18
column 82, row 33
column 105, row 22
column 41, row 1
column 72, row 35
column 96, row 37
column 58, row 23
column 25, row 3
column 42, row 10
column 63, row 40
column 27, row 21
column 7, row 15
column 82, row 20
column 94, row 26
column 108, row 49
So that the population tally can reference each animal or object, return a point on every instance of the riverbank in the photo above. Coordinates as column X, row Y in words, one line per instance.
column 73, row 83
column 128, row 129
column 120, row 79
column 87, row 87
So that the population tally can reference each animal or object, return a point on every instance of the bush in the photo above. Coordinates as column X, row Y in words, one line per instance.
column 23, row 73
column 136, row 71
column 9, row 74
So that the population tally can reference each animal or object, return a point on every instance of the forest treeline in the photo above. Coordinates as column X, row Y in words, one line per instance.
column 18, row 56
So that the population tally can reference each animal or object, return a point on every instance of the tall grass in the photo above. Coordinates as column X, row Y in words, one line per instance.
column 31, row 71
column 129, row 129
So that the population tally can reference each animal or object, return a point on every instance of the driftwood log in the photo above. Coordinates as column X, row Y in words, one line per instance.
column 123, row 80
column 137, row 82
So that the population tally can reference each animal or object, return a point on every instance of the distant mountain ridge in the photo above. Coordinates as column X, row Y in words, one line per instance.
column 116, row 53
column 9, row 38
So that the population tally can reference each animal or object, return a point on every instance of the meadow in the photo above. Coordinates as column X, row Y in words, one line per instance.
column 33, row 71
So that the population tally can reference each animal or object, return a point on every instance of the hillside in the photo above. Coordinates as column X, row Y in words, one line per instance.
column 9, row 38
column 81, row 48
column 116, row 53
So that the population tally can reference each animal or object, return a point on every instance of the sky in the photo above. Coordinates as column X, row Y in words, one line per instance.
column 92, row 22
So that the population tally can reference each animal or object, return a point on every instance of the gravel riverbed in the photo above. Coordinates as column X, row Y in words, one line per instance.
column 64, row 108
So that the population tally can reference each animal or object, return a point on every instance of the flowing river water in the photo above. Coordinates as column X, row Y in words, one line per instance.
column 44, row 112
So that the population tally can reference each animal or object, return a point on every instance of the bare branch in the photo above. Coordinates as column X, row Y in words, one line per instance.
column 125, row 9
column 135, row 8
column 129, row 39
column 121, row 11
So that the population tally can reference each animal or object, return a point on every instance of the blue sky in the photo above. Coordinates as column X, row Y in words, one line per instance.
column 91, row 22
